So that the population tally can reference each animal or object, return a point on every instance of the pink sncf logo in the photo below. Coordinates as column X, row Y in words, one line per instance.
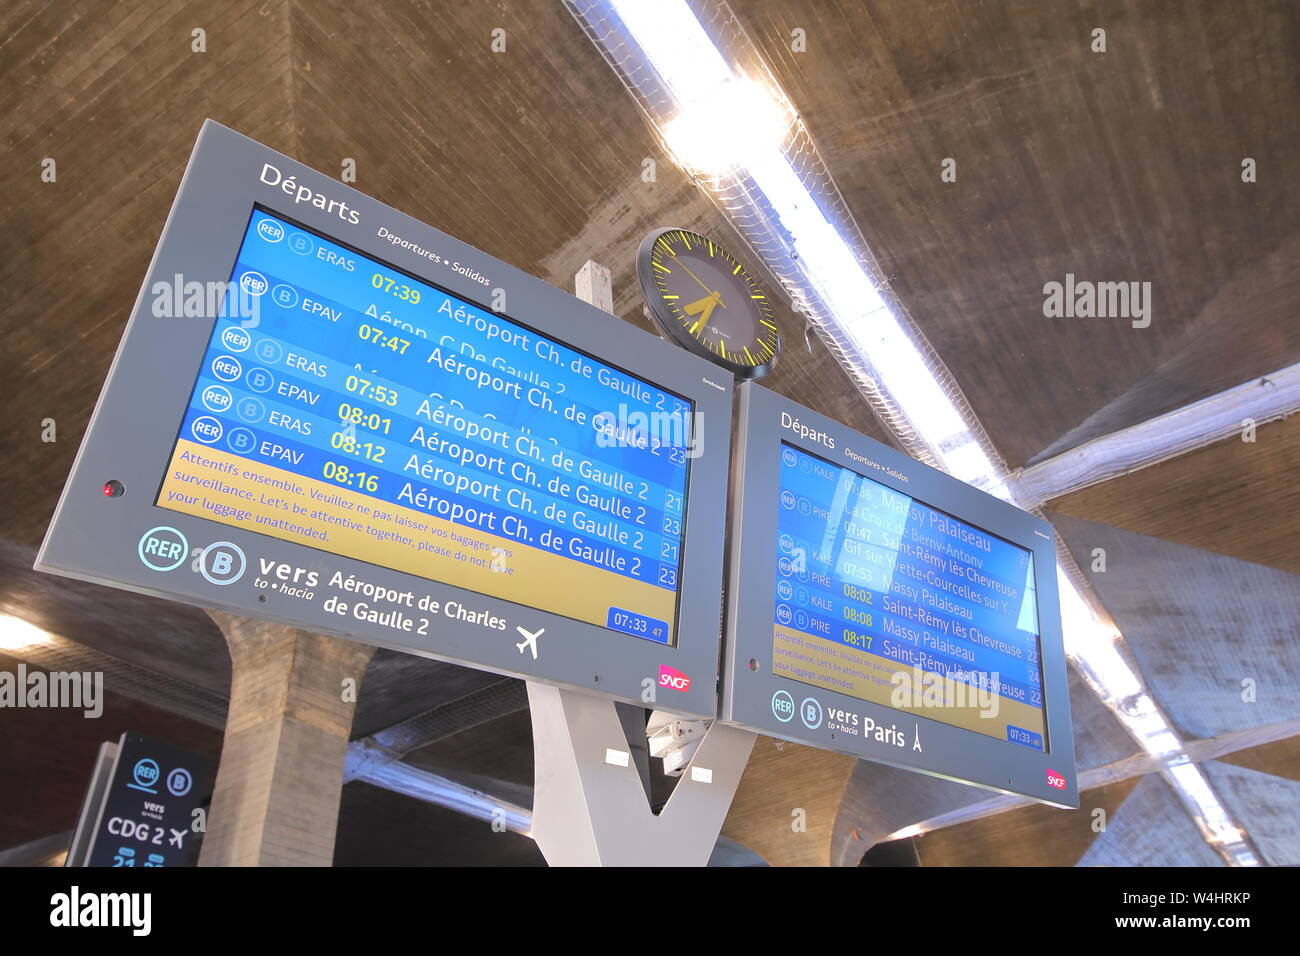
column 1054, row 779
column 671, row 677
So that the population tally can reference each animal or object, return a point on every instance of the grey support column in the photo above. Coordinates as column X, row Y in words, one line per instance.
column 278, row 786
column 589, row 804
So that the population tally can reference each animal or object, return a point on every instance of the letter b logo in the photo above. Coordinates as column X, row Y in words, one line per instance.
column 222, row 563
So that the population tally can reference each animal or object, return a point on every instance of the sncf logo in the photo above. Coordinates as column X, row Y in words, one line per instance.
column 671, row 677
column 1054, row 779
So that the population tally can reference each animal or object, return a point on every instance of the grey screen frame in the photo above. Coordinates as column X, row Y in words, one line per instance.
column 133, row 430
column 947, row 751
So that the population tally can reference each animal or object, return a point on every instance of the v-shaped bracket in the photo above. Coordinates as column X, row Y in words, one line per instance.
column 589, row 804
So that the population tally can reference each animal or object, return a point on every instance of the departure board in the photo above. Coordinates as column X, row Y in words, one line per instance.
column 889, row 600
column 372, row 415
column 880, row 608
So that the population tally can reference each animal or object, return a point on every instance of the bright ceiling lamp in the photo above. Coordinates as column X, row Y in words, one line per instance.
column 720, row 112
column 735, row 125
column 17, row 634
column 721, row 120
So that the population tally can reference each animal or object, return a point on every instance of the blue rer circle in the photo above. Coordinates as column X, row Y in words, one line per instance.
column 145, row 772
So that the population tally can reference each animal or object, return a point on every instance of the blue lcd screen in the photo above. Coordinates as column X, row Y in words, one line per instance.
column 889, row 600
column 345, row 405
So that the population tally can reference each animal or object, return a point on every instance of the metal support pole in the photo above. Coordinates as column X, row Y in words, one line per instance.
column 589, row 804
column 590, row 800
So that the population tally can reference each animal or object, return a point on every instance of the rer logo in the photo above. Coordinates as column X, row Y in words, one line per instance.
column 206, row 429
column 254, row 283
column 783, row 706
column 270, row 230
column 217, row 398
column 163, row 549
column 236, row 340
column 1054, row 779
column 671, row 677
column 226, row 368
column 145, row 774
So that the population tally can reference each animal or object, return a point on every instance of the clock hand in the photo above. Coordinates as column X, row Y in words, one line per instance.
column 698, row 279
column 705, row 306
column 699, row 305
column 708, row 309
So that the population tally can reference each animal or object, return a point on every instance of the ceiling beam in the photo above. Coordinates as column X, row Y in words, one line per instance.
column 1185, row 429
column 1138, row 765
column 497, row 700
column 47, row 851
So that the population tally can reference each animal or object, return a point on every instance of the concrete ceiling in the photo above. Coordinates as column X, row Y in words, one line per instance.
column 1117, row 166
column 1148, row 829
column 1123, row 165
column 1216, row 637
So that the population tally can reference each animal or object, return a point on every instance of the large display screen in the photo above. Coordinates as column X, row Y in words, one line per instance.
column 366, row 413
column 886, row 599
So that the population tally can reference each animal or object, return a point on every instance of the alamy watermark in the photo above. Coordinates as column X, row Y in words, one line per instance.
column 919, row 690
column 177, row 298
column 676, row 434
column 1083, row 299
column 133, row 911
column 76, row 690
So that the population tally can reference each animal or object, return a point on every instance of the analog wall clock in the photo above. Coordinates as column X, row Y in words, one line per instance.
column 706, row 300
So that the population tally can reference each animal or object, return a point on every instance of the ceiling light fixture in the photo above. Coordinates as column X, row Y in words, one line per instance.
column 17, row 634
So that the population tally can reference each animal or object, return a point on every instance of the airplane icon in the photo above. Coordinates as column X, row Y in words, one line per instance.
column 177, row 838
column 529, row 640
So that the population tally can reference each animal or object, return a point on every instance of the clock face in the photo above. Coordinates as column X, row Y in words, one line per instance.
column 704, row 299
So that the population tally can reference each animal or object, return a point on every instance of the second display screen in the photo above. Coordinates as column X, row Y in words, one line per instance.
column 888, row 600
